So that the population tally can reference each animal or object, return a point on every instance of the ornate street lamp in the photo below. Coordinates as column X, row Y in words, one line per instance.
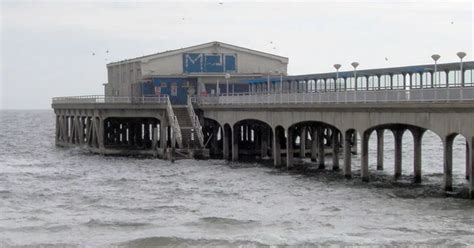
column 435, row 57
column 355, row 65
column 337, row 66
column 461, row 55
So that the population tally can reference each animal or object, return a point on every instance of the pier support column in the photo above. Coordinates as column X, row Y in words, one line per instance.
column 417, row 139
column 321, row 153
column 347, row 155
column 364, row 157
column 398, row 133
column 314, row 144
column 468, row 160
column 303, row 142
column 335, row 150
column 154, row 141
column 235, row 143
column 162, row 134
column 380, row 143
column 471, row 170
column 101, row 136
column 448, row 163
column 276, row 149
column 57, row 132
column 289, row 148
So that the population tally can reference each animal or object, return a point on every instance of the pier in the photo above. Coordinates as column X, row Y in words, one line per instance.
column 287, row 119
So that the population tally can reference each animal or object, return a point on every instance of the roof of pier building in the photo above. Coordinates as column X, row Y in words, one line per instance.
column 172, row 62
column 403, row 70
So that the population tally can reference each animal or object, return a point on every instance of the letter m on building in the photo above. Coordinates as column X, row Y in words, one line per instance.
column 193, row 62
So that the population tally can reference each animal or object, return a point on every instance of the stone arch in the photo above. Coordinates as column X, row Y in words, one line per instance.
column 252, row 139
column 319, row 137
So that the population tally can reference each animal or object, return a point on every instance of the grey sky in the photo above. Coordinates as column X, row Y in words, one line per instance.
column 46, row 47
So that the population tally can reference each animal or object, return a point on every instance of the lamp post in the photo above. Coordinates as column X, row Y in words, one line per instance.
column 435, row 57
column 337, row 67
column 227, row 77
column 461, row 55
column 355, row 64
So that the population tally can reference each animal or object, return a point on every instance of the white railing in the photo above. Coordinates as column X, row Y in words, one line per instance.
column 109, row 99
column 174, row 123
column 376, row 96
column 195, row 121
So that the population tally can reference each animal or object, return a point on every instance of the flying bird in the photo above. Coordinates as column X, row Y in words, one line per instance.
column 386, row 59
column 93, row 54
column 107, row 51
column 452, row 22
column 220, row 3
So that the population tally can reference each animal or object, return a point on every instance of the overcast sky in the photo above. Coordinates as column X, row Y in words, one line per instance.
column 47, row 47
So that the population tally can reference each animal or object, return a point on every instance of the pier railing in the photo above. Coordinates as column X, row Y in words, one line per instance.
column 195, row 121
column 173, row 120
column 97, row 99
column 379, row 96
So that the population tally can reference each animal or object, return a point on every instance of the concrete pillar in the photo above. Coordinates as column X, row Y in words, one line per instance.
column 314, row 145
column 364, row 157
column 162, row 134
column 321, row 148
column 417, row 139
column 235, row 143
column 347, row 155
column 100, row 135
column 335, row 150
column 81, row 130
column 276, row 149
column 303, row 142
column 289, row 148
column 468, row 158
column 380, row 143
column 471, row 170
column 57, row 131
column 398, row 133
column 154, row 140
column 448, row 163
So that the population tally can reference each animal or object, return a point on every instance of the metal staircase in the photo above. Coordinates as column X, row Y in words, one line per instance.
column 173, row 120
column 196, row 124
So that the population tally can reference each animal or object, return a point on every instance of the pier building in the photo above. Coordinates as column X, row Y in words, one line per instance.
column 166, row 107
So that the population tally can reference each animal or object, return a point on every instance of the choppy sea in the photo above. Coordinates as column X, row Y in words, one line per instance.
column 57, row 197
